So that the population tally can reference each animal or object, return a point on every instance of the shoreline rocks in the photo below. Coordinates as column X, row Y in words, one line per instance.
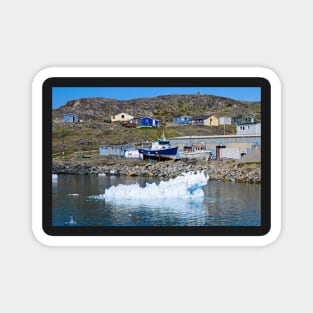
column 228, row 171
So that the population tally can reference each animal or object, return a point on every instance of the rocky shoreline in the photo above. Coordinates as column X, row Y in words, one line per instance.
column 228, row 171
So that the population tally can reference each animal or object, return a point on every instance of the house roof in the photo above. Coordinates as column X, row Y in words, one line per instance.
column 201, row 117
column 147, row 117
column 182, row 116
column 248, row 123
column 242, row 116
column 69, row 114
column 123, row 113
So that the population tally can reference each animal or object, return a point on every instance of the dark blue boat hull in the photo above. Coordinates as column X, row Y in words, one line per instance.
column 164, row 154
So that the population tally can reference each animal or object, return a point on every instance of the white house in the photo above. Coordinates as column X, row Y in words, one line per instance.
column 121, row 117
column 224, row 120
column 249, row 129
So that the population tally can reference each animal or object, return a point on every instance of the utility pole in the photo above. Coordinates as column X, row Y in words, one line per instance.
column 63, row 147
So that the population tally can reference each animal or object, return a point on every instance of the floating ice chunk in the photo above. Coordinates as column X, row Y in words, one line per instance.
column 101, row 174
column 54, row 178
column 73, row 194
column 187, row 186
column 71, row 221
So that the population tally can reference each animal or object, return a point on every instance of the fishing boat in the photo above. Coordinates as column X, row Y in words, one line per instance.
column 196, row 151
column 160, row 150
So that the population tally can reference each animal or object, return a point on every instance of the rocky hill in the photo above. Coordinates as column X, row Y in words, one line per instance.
column 73, row 139
column 162, row 107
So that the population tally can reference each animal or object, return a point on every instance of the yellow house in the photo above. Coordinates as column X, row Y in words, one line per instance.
column 206, row 120
column 121, row 117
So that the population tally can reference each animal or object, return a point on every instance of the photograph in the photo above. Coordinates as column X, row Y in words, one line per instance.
column 150, row 156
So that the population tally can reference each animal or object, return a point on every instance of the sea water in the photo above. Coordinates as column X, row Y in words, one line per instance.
column 188, row 200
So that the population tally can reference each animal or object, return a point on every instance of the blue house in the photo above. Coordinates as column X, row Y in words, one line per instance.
column 71, row 118
column 184, row 120
column 147, row 122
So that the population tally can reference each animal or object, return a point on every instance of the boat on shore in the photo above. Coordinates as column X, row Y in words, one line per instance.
column 196, row 151
column 160, row 150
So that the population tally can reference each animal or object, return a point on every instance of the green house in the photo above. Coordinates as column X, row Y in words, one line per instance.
column 240, row 119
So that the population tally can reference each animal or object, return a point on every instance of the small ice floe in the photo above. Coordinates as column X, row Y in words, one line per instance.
column 54, row 177
column 73, row 194
column 101, row 174
column 71, row 221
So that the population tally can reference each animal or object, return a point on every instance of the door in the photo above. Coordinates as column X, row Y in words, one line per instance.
column 218, row 151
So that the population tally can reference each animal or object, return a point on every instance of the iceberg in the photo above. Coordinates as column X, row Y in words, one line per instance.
column 187, row 186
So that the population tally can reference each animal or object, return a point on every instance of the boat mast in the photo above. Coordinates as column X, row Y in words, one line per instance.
column 163, row 136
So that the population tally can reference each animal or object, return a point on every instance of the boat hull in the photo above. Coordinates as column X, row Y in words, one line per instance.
column 161, row 155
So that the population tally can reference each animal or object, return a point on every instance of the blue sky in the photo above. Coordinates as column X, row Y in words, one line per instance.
column 60, row 95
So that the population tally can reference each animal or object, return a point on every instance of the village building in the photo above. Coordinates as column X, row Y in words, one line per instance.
column 221, row 146
column 206, row 120
column 238, row 120
column 224, row 120
column 139, row 122
column 249, row 129
column 117, row 150
column 182, row 120
column 121, row 117
column 70, row 118
column 147, row 122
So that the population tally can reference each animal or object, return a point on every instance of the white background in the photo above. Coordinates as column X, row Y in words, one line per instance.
column 37, row 34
